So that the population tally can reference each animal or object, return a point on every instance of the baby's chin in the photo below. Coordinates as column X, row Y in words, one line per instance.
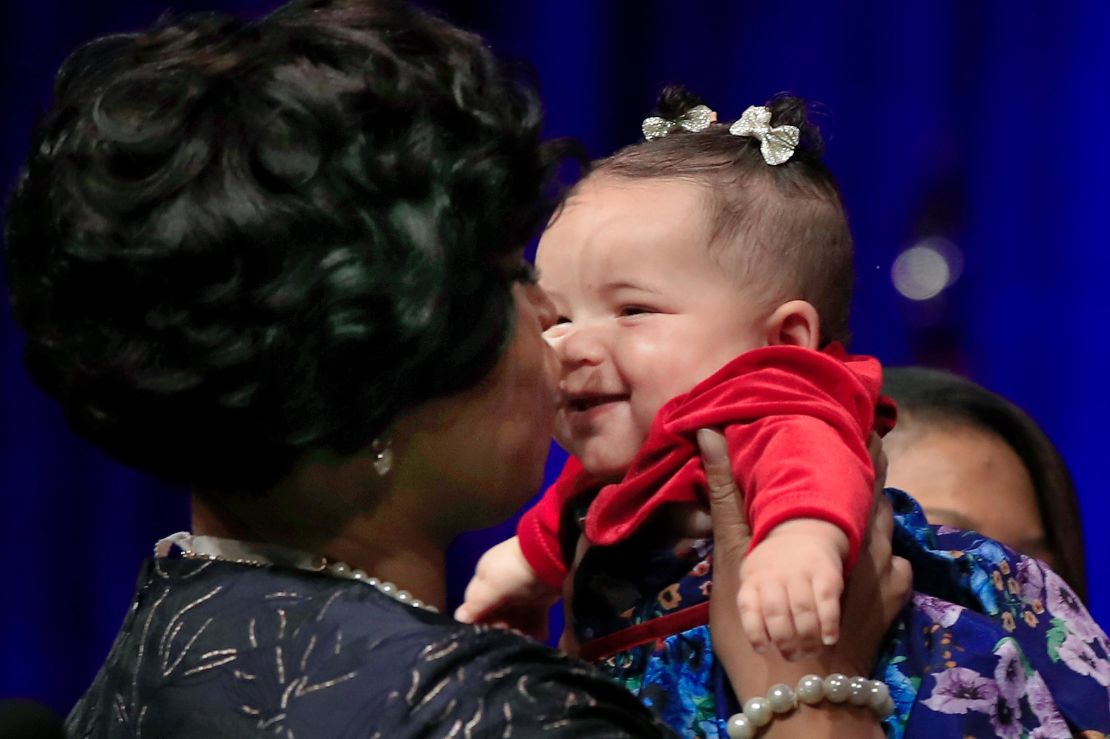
column 599, row 458
column 603, row 470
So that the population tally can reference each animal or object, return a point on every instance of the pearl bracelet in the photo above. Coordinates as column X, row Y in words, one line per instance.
column 811, row 690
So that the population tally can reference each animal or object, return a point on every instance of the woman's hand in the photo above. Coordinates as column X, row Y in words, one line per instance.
column 875, row 591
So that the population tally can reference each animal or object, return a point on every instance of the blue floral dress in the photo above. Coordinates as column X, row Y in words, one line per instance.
column 993, row 643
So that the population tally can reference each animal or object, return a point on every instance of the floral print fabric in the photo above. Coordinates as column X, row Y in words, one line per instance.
column 993, row 643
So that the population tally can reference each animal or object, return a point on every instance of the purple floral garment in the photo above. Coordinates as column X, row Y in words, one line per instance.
column 992, row 644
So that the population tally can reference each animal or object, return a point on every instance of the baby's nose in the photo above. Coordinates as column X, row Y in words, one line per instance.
column 580, row 344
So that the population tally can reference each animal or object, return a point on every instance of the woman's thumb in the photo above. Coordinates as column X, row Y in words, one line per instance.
column 730, row 524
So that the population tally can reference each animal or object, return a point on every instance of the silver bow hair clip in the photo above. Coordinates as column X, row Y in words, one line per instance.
column 695, row 119
column 776, row 143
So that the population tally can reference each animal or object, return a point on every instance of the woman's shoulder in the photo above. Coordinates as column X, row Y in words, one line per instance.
column 417, row 671
column 230, row 649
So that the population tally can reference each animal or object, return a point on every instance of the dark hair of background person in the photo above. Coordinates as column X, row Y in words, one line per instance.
column 228, row 247
column 927, row 396
column 21, row 718
column 797, row 243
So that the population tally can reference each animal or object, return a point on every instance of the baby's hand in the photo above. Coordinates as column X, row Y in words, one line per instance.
column 790, row 586
column 505, row 591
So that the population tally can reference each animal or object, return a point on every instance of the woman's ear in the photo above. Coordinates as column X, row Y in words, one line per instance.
column 794, row 323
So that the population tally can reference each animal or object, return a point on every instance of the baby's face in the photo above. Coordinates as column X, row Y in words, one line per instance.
column 646, row 311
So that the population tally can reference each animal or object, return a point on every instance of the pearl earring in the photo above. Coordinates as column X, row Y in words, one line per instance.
column 383, row 456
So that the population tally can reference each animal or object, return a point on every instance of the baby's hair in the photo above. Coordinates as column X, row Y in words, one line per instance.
column 789, row 216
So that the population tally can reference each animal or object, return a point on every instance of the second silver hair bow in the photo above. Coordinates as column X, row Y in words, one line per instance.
column 695, row 119
column 776, row 143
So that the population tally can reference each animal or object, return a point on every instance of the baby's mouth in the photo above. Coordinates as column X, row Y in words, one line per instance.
column 593, row 401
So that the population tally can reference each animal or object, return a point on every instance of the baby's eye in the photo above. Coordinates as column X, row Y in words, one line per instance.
column 561, row 319
column 635, row 310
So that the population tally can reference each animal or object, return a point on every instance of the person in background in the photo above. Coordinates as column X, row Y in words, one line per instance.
column 21, row 718
column 976, row 461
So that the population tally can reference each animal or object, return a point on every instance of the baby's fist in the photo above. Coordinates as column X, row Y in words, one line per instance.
column 790, row 587
column 506, row 591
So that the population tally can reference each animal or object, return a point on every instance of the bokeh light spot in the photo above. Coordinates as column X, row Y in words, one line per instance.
column 922, row 271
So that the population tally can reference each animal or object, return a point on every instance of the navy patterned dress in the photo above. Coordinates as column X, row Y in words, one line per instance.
column 993, row 643
column 215, row 649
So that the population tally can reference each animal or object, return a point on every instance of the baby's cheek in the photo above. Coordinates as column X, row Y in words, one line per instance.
column 642, row 416
column 660, row 377
column 647, row 400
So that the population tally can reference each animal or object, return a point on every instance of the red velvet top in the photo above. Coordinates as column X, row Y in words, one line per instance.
column 797, row 423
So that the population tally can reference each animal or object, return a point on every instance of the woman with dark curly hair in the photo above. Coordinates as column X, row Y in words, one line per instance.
column 280, row 262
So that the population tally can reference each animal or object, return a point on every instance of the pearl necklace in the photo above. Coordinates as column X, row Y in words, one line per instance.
column 216, row 549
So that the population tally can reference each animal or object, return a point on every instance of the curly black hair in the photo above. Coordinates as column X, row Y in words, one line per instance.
column 791, row 217
column 236, row 241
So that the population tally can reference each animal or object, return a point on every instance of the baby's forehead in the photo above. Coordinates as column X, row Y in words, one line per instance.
column 637, row 209
column 618, row 212
column 715, row 213
column 612, row 234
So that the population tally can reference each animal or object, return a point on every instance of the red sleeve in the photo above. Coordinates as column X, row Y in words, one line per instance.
column 802, row 467
column 797, row 423
column 538, row 529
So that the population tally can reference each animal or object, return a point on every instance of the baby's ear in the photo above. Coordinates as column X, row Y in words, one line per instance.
column 794, row 323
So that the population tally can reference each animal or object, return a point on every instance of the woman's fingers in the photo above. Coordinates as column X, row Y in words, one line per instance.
column 895, row 573
column 878, row 460
column 731, row 533
column 902, row 578
column 883, row 524
column 726, row 504
column 736, row 629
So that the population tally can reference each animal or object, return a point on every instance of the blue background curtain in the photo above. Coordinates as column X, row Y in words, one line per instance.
column 980, row 123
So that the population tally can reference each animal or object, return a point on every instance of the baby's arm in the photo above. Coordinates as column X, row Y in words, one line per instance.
column 517, row 581
column 808, row 486
column 796, row 423
column 790, row 587
column 505, row 590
